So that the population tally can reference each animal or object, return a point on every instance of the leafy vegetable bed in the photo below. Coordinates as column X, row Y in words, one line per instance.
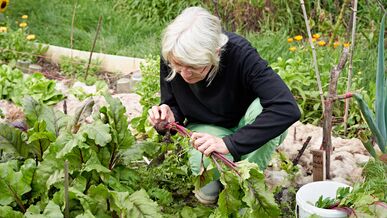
column 113, row 172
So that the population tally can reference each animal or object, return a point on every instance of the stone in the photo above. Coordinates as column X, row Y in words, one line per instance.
column 135, row 79
column 123, row 85
column 33, row 68
column 23, row 65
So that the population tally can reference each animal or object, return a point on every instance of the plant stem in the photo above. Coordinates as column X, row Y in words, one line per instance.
column 17, row 199
column 327, row 126
column 80, row 155
column 112, row 157
column 65, row 106
column 41, row 150
column 66, row 189
column 92, row 48
column 350, row 72
column 314, row 55
column 341, row 97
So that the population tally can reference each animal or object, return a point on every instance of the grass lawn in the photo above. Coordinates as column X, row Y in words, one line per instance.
column 120, row 34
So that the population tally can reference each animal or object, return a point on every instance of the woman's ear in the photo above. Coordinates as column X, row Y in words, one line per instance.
column 217, row 51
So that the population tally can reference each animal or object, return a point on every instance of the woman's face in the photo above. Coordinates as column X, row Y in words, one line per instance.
column 190, row 74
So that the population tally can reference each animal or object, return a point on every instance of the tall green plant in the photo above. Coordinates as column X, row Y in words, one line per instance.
column 378, row 126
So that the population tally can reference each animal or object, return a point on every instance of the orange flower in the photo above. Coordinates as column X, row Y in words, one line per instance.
column 293, row 48
column 346, row 44
column 24, row 17
column 336, row 44
column 321, row 43
column 316, row 36
column 31, row 37
column 313, row 39
column 22, row 24
column 3, row 29
column 298, row 38
column 290, row 40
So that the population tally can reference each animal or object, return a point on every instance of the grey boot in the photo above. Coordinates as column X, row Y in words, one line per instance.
column 209, row 193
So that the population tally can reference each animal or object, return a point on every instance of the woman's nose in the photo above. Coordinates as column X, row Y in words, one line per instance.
column 185, row 71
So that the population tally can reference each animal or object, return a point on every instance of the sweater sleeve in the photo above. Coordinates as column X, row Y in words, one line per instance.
column 280, row 109
column 167, row 96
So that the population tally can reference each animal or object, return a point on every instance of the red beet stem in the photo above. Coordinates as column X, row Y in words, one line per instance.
column 186, row 133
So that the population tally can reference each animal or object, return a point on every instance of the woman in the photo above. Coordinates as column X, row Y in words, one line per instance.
column 216, row 83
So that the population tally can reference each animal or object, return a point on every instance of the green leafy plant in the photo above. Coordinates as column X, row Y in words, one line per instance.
column 148, row 89
column 329, row 203
column 366, row 199
column 245, row 194
column 99, row 184
column 14, row 46
column 76, row 67
column 80, row 93
column 378, row 123
column 14, row 86
column 245, row 189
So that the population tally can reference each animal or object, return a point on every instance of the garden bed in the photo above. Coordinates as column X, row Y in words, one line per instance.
column 347, row 159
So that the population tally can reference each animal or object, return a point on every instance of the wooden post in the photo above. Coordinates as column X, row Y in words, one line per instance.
column 319, row 168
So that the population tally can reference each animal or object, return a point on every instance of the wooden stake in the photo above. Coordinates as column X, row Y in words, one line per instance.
column 314, row 55
column 297, row 159
column 319, row 166
column 92, row 48
column 350, row 72
column 72, row 29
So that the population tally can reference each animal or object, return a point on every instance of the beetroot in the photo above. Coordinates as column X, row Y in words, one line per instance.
column 161, row 127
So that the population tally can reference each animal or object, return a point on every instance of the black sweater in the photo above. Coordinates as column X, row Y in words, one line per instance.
column 242, row 77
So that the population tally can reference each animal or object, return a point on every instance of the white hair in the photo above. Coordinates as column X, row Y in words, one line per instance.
column 194, row 38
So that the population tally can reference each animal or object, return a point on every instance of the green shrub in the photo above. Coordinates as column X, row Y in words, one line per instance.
column 155, row 11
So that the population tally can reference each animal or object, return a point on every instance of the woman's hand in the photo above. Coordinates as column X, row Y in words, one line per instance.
column 160, row 114
column 207, row 143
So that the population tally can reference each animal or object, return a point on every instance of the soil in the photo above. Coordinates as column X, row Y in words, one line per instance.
column 52, row 71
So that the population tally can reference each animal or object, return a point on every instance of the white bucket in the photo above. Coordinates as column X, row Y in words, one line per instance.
column 308, row 194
